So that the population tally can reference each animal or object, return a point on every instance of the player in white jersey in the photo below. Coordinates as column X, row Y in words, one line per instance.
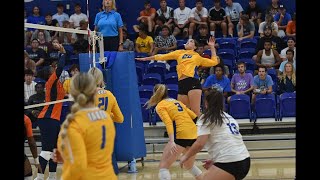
column 229, row 157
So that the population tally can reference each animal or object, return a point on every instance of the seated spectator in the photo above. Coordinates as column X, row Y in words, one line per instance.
column 29, row 84
column 273, row 8
column 262, row 83
column 44, row 39
column 51, row 22
column 291, row 27
column 29, row 63
column 74, row 69
column 127, row 43
column 181, row 19
column 37, row 98
column 282, row 18
column 242, row 82
column 198, row 15
column 144, row 43
column 245, row 28
column 254, row 12
column 233, row 12
column 160, row 21
column 60, row 16
column 35, row 18
column 37, row 54
column 270, row 23
column 291, row 42
column 218, row 81
column 165, row 42
column 287, row 82
column 53, row 53
column 146, row 17
column 166, row 12
column 77, row 16
column 202, row 38
column 83, row 25
column 290, row 54
column 217, row 19
column 268, row 57
column 65, row 37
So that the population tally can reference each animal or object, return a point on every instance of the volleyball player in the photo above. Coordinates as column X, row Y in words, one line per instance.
column 229, row 157
column 33, row 147
column 87, row 135
column 170, row 110
column 49, row 117
column 189, row 87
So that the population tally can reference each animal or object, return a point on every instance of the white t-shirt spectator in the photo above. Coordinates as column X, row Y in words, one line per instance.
column 182, row 15
column 60, row 18
column 195, row 13
column 283, row 53
column 225, row 142
column 76, row 18
column 234, row 11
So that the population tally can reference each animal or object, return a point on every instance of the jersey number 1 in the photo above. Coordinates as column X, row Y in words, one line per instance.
column 103, row 103
column 103, row 144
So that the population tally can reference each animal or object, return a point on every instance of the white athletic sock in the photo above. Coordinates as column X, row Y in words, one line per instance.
column 164, row 174
column 39, row 176
column 212, row 33
column 52, row 176
column 28, row 178
column 195, row 171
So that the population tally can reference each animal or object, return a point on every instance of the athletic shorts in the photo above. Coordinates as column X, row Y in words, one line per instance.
column 187, row 84
column 185, row 142
column 181, row 29
column 238, row 169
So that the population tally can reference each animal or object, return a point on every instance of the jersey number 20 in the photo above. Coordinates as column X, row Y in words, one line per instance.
column 103, row 103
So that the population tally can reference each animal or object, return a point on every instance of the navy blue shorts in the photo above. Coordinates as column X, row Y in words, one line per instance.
column 49, row 130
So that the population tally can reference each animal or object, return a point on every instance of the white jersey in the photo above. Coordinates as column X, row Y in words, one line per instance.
column 225, row 143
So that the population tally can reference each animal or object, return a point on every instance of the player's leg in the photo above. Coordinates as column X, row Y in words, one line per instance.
column 27, row 169
column 45, row 154
column 55, row 129
column 194, row 96
column 215, row 172
column 190, row 166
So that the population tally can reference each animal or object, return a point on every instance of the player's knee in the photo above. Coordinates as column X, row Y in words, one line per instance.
column 46, row 155
column 164, row 174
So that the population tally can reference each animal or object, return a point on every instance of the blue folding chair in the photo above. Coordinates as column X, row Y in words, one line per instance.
column 151, row 79
column 240, row 106
column 246, row 53
column 137, row 54
column 248, row 43
column 173, row 90
column 227, row 43
column 145, row 112
column 156, row 67
column 273, row 74
column 171, row 78
column 140, row 73
column 145, row 91
column 287, row 103
column 265, row 106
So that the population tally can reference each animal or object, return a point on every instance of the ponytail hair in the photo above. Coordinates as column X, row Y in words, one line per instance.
column 160, row 92
column 83, row 89
column 98, row 76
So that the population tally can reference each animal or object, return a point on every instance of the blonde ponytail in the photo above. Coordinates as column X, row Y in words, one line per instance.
column 160, row 92
column 98, row 76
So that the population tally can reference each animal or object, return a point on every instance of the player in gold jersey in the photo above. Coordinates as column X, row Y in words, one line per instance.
column 86, row 140
column 189, row 87
column 169, row 111
column 105, row 100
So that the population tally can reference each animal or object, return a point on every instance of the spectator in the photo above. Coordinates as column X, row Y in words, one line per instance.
column 291, row 27
column 290, row 54
column 44, row 39
column 198, row 15
column 127, row 43
column 144, row 43
column 262, row 83
column 160, row 21
column 287, row 82
column 37, row 98
column 291, row 42
column 29, row 63
column 282, row 18
column 166, row 12
column 109, row 23
column 233, row 11
column 53, row 53
column 202, row 38
column 51, row 22
column 254, row 12
column 165, row 42
column 83, row 25
column 268, row 22
column 218, row 81
column 268, row 57
column 245, row 28
column 77, row 16
column 35, row 18
column 217, row 18
column 60, row 16
column 277, row 42
column 65, row 37
column 36, row 54
column 242, row 82
column 29, row 84
column 273, row 9
column 181, row 19
column 146, row 17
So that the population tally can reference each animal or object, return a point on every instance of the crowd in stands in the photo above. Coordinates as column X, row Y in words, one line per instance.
column 256, row 48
